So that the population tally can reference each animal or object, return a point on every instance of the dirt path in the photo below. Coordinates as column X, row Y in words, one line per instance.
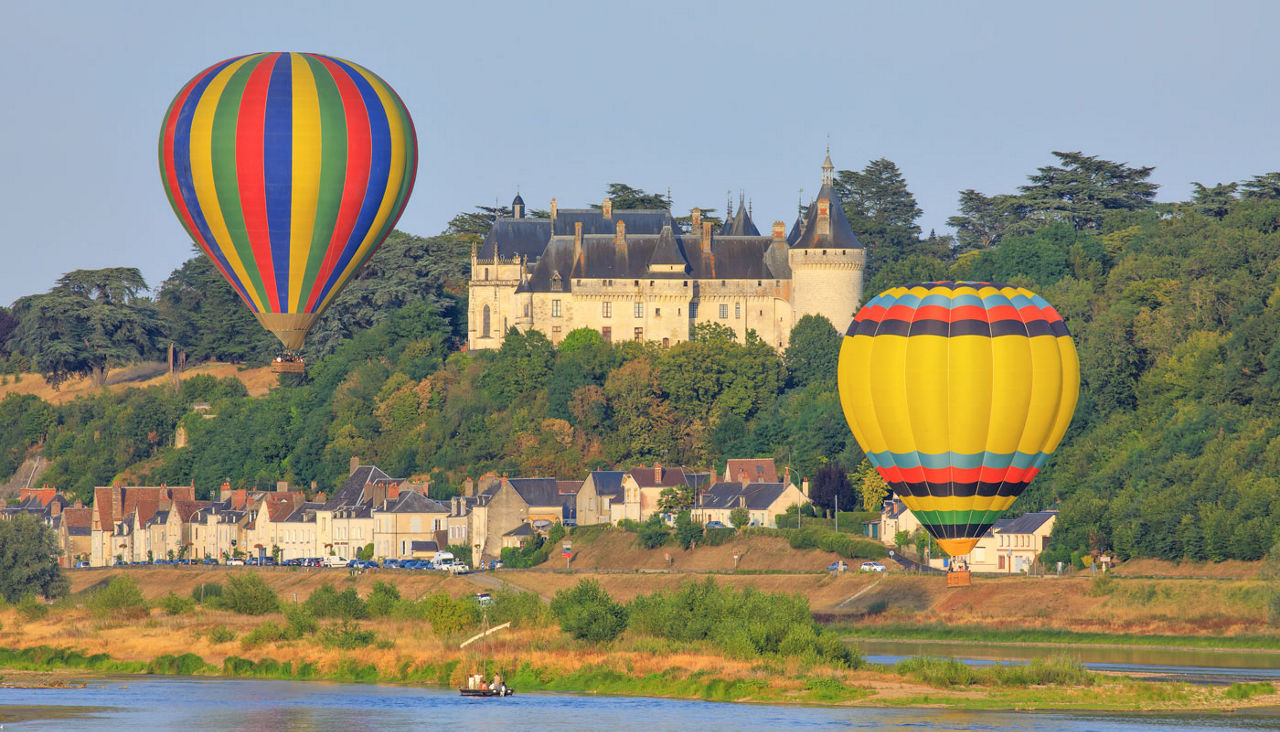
column 860, row 593
column 490, row 582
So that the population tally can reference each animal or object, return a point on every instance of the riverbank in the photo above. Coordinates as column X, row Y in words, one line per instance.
column 73, row 643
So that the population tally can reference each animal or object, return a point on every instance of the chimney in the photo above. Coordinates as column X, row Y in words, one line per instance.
column 786, row 476
column 553, row 208
column 657, row 472
column 456, row 506
column 607, row 208
column 713, row 475
column 225, row 491
column 353, row 465
column 577, row 244
column 282, row 486
column 620, row 232
column 696, row 216
column 708, row 258
column 824, row 217
column 779, row 233
column 804, row 487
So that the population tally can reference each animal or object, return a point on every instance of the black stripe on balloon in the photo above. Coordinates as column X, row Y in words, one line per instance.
column 959, row 490
column 957, row 531
column 967, row 327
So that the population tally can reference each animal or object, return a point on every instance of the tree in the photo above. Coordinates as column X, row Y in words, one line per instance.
column 688, row 531
column 812, row 352
column 90, row 320
column 623, row 196
column 475, row 225
column 739, row 517
column 983, row 220
column 587, row 613
column 901, row 539
column 872, row 487
column 1264, row 187
column 207, row 319
column 675, row 498
column 1084, row 188
column 831, row 487
column 1215, row 201
column 879, row 192
column 29, row 560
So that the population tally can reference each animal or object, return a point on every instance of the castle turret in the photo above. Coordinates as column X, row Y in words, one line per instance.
column 826, row 259
column 517, row 207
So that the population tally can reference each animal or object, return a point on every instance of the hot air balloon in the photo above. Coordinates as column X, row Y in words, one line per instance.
column 288, row 170
column 957, row 393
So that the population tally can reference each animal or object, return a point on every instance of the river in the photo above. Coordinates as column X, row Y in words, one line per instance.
column 187, row 703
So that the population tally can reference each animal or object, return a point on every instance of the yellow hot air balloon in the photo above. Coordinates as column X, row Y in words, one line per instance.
column 958, row 392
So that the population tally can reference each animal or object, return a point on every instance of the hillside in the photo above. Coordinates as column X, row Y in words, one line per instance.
column 257, row 381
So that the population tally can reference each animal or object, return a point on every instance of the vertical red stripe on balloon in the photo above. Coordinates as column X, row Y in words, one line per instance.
column 171, row 177
column 359, row 147
column 251, row 180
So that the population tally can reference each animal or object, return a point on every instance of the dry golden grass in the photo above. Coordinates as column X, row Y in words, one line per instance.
column 257, row 380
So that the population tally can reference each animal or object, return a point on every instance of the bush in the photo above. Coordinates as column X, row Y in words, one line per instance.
column 521, row 609
column 1244, row 690
column 943, row 672
column 446, row 615
column 847, row 546
column 301, row 621
column 173, row 604
column 31, row 608
column 249, row 594
column 588, row 613
column 347, row 635
column 221, row 634
column 121, row 598
column 383, row 599
column 653, row 533
column 739, row 517
column 688, row 531
column 208, row 593
column 1059, row 670
column 268, row 632
column 717, row 536
column 326, row 602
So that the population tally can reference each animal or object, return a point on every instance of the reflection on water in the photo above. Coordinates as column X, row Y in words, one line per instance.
column 218, row 704
column 1193, row 665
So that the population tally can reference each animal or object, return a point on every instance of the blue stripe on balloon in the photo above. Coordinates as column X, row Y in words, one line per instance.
column 965, row 299
column 379, row 171
column 941, row 301
column 277, row 170
column 182, row 171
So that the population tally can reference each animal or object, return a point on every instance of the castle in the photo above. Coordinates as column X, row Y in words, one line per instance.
column 635, row 275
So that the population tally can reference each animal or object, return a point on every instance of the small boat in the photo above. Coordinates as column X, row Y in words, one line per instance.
column 504, row 691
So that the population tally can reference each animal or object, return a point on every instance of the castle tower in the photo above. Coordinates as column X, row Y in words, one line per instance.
column 826, row 260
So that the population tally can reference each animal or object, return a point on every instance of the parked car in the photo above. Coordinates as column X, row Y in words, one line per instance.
column 872, row 567
column 484, row 598
column 495, row 564
column 369, row 564
column 233, row 562
column 716, row 525
column 210, row 560
column 391, row 564
column 838, row 566
column 81, row 565
column 458, row 568
column 333, row 562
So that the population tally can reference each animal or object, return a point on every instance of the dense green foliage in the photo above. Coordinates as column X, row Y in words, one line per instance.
column 29, row 560
column 586, row 612
column 119, row 599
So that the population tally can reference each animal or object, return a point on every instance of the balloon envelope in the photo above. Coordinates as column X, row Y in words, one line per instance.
column 288, row 169
column 958, row 392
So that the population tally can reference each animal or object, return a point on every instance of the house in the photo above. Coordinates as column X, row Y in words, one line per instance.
column 410, row 519
column 1012, row 545
column 569, row 501
column 509, row 503
column 75, row 528
column 113, row 505
column 517, row 537
column 642, row 489
column 764, row 502
column 895, row 517
column 296, row 533
column 597, row 495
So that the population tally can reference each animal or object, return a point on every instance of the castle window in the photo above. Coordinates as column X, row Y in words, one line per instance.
column 686, row 283
column 486, row 273
column 639, row 334
column 607, row 333
column 555, row 332
column 657, row 312
column 693, row 310
column 527, row 309
column 555, row 308
column 637, row 283
column 724, row 312
column 556, row 284
column 484, row 319
column 651, row 283
column 639, row 310
column 606, row 310
column 666, row 342
column 737, row 310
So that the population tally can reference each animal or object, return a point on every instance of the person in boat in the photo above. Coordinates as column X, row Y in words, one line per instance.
column 497, row 684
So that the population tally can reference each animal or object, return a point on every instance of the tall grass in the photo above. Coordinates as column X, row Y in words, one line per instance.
column 949, row 672
column 981, row 634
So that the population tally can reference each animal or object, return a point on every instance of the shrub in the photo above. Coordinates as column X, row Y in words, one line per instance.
column 588, row 613
column 521, row 609
column 688, row 531
column 221, row 634
column 268, row 632
column 31, row 608
column 717, row 536
column 326, row 602
column 301, row 621
column 208, row 593
column 249, row 594
column 173, row 604
column 943, row 672
column 653, row 533
column 188, row 664
column 1245, row 690
column 121, row 598
column 382, row 600
column 739, row 517
column 347, row 635
column 446, row 615
column 1059, row 670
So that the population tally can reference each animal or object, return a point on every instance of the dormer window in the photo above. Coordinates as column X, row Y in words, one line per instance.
column 556, row 284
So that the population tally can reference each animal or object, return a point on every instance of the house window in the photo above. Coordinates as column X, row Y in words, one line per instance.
column 606, row 310
column 555, row 308
column 555, row 332
column 639, row 310
column 484, row 320
column 724, row 312
column 607, row 333
column 737, row 310
column 639, row 334
column 693, row 310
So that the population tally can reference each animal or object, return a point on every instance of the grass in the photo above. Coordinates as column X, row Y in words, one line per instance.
column 949, row 672
column 981, row 634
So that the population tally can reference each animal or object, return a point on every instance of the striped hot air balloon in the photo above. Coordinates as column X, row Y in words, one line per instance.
column 288, row 169
column 958, row 392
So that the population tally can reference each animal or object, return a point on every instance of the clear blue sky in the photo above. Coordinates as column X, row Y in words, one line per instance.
column 563, row 98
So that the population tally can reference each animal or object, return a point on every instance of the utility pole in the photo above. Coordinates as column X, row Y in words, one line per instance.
column 837, row 512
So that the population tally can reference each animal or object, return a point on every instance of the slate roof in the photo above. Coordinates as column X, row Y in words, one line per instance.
column 521, row 530
column 413, row 502
column 569, row 487
column 607, row 482
column 720, row 495
column 515, row 237
column 351, row 492
column 758, row 496
column 741, row 223
column 1027, row 523
column 536, row 491
column 841, row 236
column 423, row 545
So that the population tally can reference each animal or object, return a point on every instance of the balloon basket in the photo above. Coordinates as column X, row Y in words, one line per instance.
column 958, row 579
column 288, row 367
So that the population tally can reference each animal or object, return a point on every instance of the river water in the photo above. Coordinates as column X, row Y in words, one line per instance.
column 190, row 704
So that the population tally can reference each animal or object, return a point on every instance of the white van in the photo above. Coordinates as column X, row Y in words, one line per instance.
column 442, row 560
column 333, row 562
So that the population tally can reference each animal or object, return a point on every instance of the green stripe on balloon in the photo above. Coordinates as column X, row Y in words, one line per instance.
column 333, row 173
column 226, row 121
